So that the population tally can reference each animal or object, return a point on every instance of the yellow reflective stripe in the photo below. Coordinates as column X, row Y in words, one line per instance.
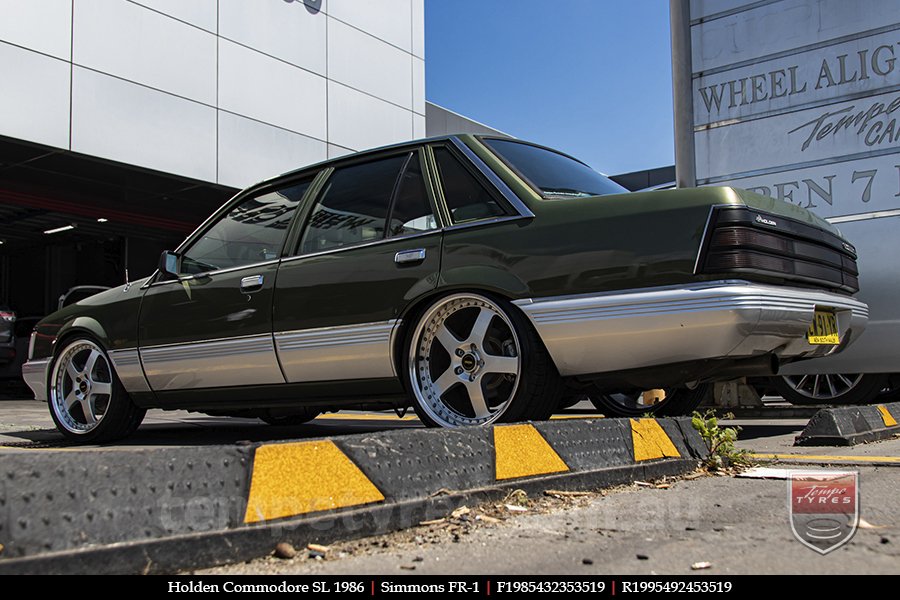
column 521, row 451
column 651, row 441
column 886, row 416
column 304, row 477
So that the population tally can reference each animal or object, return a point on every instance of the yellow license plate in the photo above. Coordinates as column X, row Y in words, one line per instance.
column 824, row 329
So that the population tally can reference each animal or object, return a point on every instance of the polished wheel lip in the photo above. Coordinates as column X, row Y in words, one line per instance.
column 823, row 386
column 85, row 387
column 460, row 350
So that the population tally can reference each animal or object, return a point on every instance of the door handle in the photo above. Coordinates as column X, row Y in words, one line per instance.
column 409, row 256
column 252, row 283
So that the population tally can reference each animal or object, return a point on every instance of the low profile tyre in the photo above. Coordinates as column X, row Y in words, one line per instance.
column 291, row 420
column 838, row 388
column 87, row 401
column 677, row 402
column 474, row 360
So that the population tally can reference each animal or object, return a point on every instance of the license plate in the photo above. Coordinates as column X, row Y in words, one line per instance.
column 823, row 330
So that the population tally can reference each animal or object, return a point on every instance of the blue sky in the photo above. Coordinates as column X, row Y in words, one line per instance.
column 589, row 77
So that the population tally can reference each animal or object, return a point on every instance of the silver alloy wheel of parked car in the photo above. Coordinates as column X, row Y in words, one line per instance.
column 823, row 387
column 81, row 386
column 465, row 361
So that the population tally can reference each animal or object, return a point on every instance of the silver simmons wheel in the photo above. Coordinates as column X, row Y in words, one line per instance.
column 475, row 360
column 87, row 401
column 465, row 361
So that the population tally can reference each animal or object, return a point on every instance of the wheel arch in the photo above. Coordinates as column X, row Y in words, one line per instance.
column 410, row 315
column 81, row 326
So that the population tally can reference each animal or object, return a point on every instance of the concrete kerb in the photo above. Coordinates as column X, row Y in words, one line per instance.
column 162, row 510
column 851, row 425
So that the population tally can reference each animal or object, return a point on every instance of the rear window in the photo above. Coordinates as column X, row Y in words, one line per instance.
column 554, row 174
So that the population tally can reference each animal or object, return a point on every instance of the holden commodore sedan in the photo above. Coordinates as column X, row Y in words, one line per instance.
column 477, row 279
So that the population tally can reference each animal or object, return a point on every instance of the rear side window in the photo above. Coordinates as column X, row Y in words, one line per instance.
column 411, row 212
column 554, row 174
column 253, row 231
column 353, row 206
column 467, row 200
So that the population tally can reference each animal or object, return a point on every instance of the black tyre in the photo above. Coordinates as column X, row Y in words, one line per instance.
column 475, row 360
column 840, row 388
column 292, row 420
column 677, row 402
column 87, row 401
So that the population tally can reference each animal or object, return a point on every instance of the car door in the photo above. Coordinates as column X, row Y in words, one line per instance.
column 370, row 244
column 212, row 327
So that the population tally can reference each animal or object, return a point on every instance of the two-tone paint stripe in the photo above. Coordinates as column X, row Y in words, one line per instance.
column 298, row 478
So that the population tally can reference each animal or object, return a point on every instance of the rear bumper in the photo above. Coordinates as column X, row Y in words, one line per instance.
column 616, row 331
column 34, row 372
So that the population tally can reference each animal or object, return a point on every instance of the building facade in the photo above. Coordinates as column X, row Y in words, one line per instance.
column 123, row 123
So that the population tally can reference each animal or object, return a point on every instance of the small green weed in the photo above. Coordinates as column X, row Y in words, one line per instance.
column 722, row 451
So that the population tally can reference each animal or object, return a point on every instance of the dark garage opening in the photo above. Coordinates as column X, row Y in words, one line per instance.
column 69, row 220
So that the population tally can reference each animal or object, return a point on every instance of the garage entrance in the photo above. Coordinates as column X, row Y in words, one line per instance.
column 68, row 220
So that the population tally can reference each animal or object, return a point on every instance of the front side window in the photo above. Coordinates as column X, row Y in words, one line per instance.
column 467, row 200
column 555, row 175
column 354, row 205
column 252, row 232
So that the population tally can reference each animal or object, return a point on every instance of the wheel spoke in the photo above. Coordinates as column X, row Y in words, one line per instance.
column 501, row 364
column 845, row 381
column 71, row 371
column 87, row 407
column 70, row 400
column 799, row 384
column 480, row 328
column 90, row 363
column 445, row 382
column 476, row 397
column 101, row 388
column 830, row 383
column 447, row 339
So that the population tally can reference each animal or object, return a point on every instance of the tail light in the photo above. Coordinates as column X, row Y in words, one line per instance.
column 8, row 316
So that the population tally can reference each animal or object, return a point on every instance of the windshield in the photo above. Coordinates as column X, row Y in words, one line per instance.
column 555, row 174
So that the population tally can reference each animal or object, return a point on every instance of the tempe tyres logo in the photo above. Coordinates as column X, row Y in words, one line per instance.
column 824, row 507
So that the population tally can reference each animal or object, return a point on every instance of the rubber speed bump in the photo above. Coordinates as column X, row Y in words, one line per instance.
column 886, row 416
column 304, row 477
column 650, row 441
column 521, row 451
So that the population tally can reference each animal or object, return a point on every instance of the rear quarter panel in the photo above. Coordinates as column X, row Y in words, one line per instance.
column 589, row 245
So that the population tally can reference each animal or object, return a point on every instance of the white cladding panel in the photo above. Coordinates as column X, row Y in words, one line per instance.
column 44, row 26
column 270, row 90
column 153, row 76
column 201, row 13
column 358, row 121
column 172, row 134
column 250, row 151
column 285, row 30
column 146, row 47
column 34, row 103
column 389, row 20
column 369, row 64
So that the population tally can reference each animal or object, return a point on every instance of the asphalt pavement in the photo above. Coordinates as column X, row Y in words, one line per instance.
column 738, row 526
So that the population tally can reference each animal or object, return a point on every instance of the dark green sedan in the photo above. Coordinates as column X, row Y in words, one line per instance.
column 478, row 279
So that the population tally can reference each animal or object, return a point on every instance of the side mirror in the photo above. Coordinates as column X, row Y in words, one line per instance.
column 168, row 264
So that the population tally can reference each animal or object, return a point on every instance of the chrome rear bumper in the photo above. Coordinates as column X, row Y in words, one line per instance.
column 609, row 332
column 34, row 372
